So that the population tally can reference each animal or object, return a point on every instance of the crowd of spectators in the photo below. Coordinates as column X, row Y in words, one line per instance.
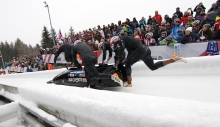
column 181, row 27
column 191, row 26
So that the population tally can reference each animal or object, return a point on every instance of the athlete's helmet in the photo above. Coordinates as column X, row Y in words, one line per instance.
column 114, row 40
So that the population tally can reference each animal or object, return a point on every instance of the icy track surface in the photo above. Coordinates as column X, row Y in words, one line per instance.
column 178, row 95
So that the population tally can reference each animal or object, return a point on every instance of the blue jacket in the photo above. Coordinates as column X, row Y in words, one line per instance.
column 175, row 31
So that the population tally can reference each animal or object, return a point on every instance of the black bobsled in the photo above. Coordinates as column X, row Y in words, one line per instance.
column 74, row 77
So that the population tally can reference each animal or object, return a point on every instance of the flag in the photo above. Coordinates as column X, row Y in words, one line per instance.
column 60, row 36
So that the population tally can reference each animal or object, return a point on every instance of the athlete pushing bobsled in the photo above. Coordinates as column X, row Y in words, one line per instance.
column 136, row 52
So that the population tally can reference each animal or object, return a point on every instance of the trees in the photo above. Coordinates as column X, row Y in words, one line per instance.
column 46, row 40
column 71, row 31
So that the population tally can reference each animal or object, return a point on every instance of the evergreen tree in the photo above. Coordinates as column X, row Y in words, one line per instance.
column 53, row 31
column 71, row 31
column 46, row 41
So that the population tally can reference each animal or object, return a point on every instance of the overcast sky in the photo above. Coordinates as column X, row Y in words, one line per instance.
column 25, row 19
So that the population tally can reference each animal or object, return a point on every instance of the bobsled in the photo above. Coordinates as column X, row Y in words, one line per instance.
column 74, row 77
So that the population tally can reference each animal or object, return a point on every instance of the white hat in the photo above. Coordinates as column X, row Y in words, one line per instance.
column 189, row 29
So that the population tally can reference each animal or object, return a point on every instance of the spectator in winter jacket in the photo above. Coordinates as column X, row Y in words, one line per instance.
column 158, row 17
column 178, row 12
column 162, row 36
column 149, row 21
column 142, row 26
column 149, row 41
column 134, row 22
column 136, row 34
column 143, row 20
column 190, row 20
column 196, row 26
column 180, row 35
column 189, row 36
column 201, row 15
column 168, row 41
column 176, row 29
column 168, row 19
column 141, row 35
column 213, row 12
column 184, row 18
column 200, row 5
column 130, row 31
column 206, row 33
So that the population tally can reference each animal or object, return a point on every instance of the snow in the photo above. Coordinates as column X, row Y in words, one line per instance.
column 32, row 106
column 68, row 125
column 14, row 122
column 178, row 95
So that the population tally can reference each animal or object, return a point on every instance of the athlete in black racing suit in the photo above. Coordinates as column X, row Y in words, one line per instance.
column 66, row 48
column 89, row 60
column 136, row 52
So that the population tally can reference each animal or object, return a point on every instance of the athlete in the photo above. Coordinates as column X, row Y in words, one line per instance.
column 89, row 60
column 66, row 48
column 136, row 52
column 104, row 46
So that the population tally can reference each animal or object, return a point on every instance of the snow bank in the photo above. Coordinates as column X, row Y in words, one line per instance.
column 14, row 122
column 28, row 104
column 95, row 108
column 8, row 111
column 208, row 65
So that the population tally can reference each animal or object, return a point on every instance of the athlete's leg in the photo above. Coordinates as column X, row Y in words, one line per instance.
column 132, row 58
column 148, row 60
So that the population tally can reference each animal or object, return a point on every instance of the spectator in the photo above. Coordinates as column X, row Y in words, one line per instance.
column 143, row 20
column 149, row 41
column 189, row 36
column 217, row 24
column 196, row 26
column 201, row 15
column 134, row 22
column 142, row 26
column 200, row 5
column 149, row 21
column 189, row 10
column 184, row 18
column 213, row 12
column 178, row 12
column 141, row 35
column 130, row 31
column 176, row 29
column 168, row 41
column 92, row 45
column 190, row 20
column 136, row 34
column 206, row 33
column 158, row 17
column 105, row 30
column 167, row 19
column 174, row 18
column 154, row 21
column 180, row 35
column 162, row 36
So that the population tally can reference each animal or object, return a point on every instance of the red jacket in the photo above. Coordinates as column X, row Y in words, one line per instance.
column 158, row 18
column 184, row 19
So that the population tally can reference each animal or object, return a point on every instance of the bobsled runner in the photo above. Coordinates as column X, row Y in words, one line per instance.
column 75, row 77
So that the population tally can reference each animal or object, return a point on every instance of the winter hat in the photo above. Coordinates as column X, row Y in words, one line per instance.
column 189, row 29
column 150, row 33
